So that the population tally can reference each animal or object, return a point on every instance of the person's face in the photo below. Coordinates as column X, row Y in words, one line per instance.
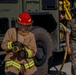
column 61, row 17
column 23, row 28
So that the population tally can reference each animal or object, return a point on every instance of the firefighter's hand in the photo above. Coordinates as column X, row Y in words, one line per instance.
column 17, row 46
column 17, row 43
column 68, row 50
column 23, row 54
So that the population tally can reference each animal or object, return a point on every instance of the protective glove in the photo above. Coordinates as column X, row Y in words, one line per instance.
column 17, row 46
column 17, row 43
column 23, row 54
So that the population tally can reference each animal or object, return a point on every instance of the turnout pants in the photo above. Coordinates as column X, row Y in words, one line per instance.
column 16, row 68
column 14, row 71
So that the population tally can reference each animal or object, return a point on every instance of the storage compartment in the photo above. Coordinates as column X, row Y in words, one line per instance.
column 49, row 4
column 32, row 6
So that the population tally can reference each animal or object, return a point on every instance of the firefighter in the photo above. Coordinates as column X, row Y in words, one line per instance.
column 19, row 44
column 71, row 44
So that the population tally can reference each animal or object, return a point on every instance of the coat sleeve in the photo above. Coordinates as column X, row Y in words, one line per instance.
column 32, row 45
column 7, row 38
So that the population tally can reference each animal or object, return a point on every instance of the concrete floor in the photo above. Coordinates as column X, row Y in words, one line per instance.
column 66, row 70
column 57, row 62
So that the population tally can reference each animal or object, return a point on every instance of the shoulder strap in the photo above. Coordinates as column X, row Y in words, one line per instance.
column 16, row 34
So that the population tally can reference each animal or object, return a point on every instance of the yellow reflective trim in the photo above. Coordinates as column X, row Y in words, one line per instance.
column 19, row 18
column 29, row 20
column 30, row 54
column 29, row 65
column 31, row 62
column 12, row 63
column 9, row 45
column 16, row 65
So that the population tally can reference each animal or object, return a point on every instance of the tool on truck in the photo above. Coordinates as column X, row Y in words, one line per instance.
column 46, row 25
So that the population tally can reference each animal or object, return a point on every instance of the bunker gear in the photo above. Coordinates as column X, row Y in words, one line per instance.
column 29, row 43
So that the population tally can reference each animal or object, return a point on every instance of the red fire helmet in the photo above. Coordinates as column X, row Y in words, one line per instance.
column 24, row 18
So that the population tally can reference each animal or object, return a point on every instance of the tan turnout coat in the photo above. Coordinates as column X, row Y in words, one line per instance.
column 26, row 38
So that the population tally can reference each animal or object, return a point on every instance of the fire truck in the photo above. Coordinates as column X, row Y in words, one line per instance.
column 46, row 25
